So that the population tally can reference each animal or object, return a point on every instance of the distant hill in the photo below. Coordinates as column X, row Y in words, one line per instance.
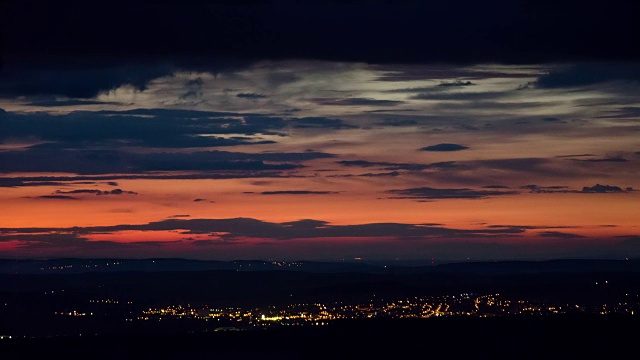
column 246, row 282
column 554, row 266
column 77, row 266
column 110, row 265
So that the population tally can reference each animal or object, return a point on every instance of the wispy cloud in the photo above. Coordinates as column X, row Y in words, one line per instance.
column 356, row 102
column 444, row 147
column 438, row 194
column 297, row 192
column 251, row 96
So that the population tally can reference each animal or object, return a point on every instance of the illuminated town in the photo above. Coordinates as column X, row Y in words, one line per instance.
column 60, row 298
column 319, row 314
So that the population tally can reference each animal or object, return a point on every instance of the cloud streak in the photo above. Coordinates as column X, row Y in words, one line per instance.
column 103, row 162
column 157, row 128
column 97, row 192
column 428, row 193
column 444, row 147
column 395, row 166
column 356, row 102
column 248, row 228
column 297, row 192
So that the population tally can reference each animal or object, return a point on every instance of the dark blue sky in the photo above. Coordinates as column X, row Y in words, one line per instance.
column 379, row 31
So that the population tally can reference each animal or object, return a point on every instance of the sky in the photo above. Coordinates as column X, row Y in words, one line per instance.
column 320, row 130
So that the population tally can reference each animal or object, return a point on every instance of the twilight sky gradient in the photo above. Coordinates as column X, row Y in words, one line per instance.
column 320, row 130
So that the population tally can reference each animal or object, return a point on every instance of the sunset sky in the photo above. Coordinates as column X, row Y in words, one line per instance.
column 320, row 130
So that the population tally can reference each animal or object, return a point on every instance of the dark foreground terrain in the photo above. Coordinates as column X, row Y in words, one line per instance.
column 107, row 314
column 556, row 337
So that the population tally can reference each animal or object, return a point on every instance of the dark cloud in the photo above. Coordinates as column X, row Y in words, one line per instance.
column 83, row 76
column 495, row 187
column 531, row 227
column 361, row 163
column 444, row 147
column 456, row 83
column 77, row 142
column 356, row 102
column 69, row 102
column 182, row 114
column 80, row 191
column 449, row 91
column 394, row 111
column 96, row 192
column 77, row 82
column 460, row 96
column 43, row 240
column 40, row 181
column 238, row 228
column 120, row 162
column 319, row 123
column 280, row 156
column 397, row 122
column 561, row 235
column 537, row 189
column 586, row 74
column 512, row 171
column 58, row 197
column 197, row 82
column 297, row 192
column 174, row 142
column 600, row 189
column 14, row 234
column 496, row 105
column 597, row 188
column 438, row 240
column 308, row 223
column 193, row 89
column 407, row 72
column 70, row 180
column 391, row 173
column 169, row 128
column 118, row 192
column 577, row 155
column 623, row 112
column 436, row 194
column 423, row 89
column 15, row 182
column 396, row 166
column 536, row 165
column 156, row 128
column 612, row 159
column 68, row 243
column 252, row 96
